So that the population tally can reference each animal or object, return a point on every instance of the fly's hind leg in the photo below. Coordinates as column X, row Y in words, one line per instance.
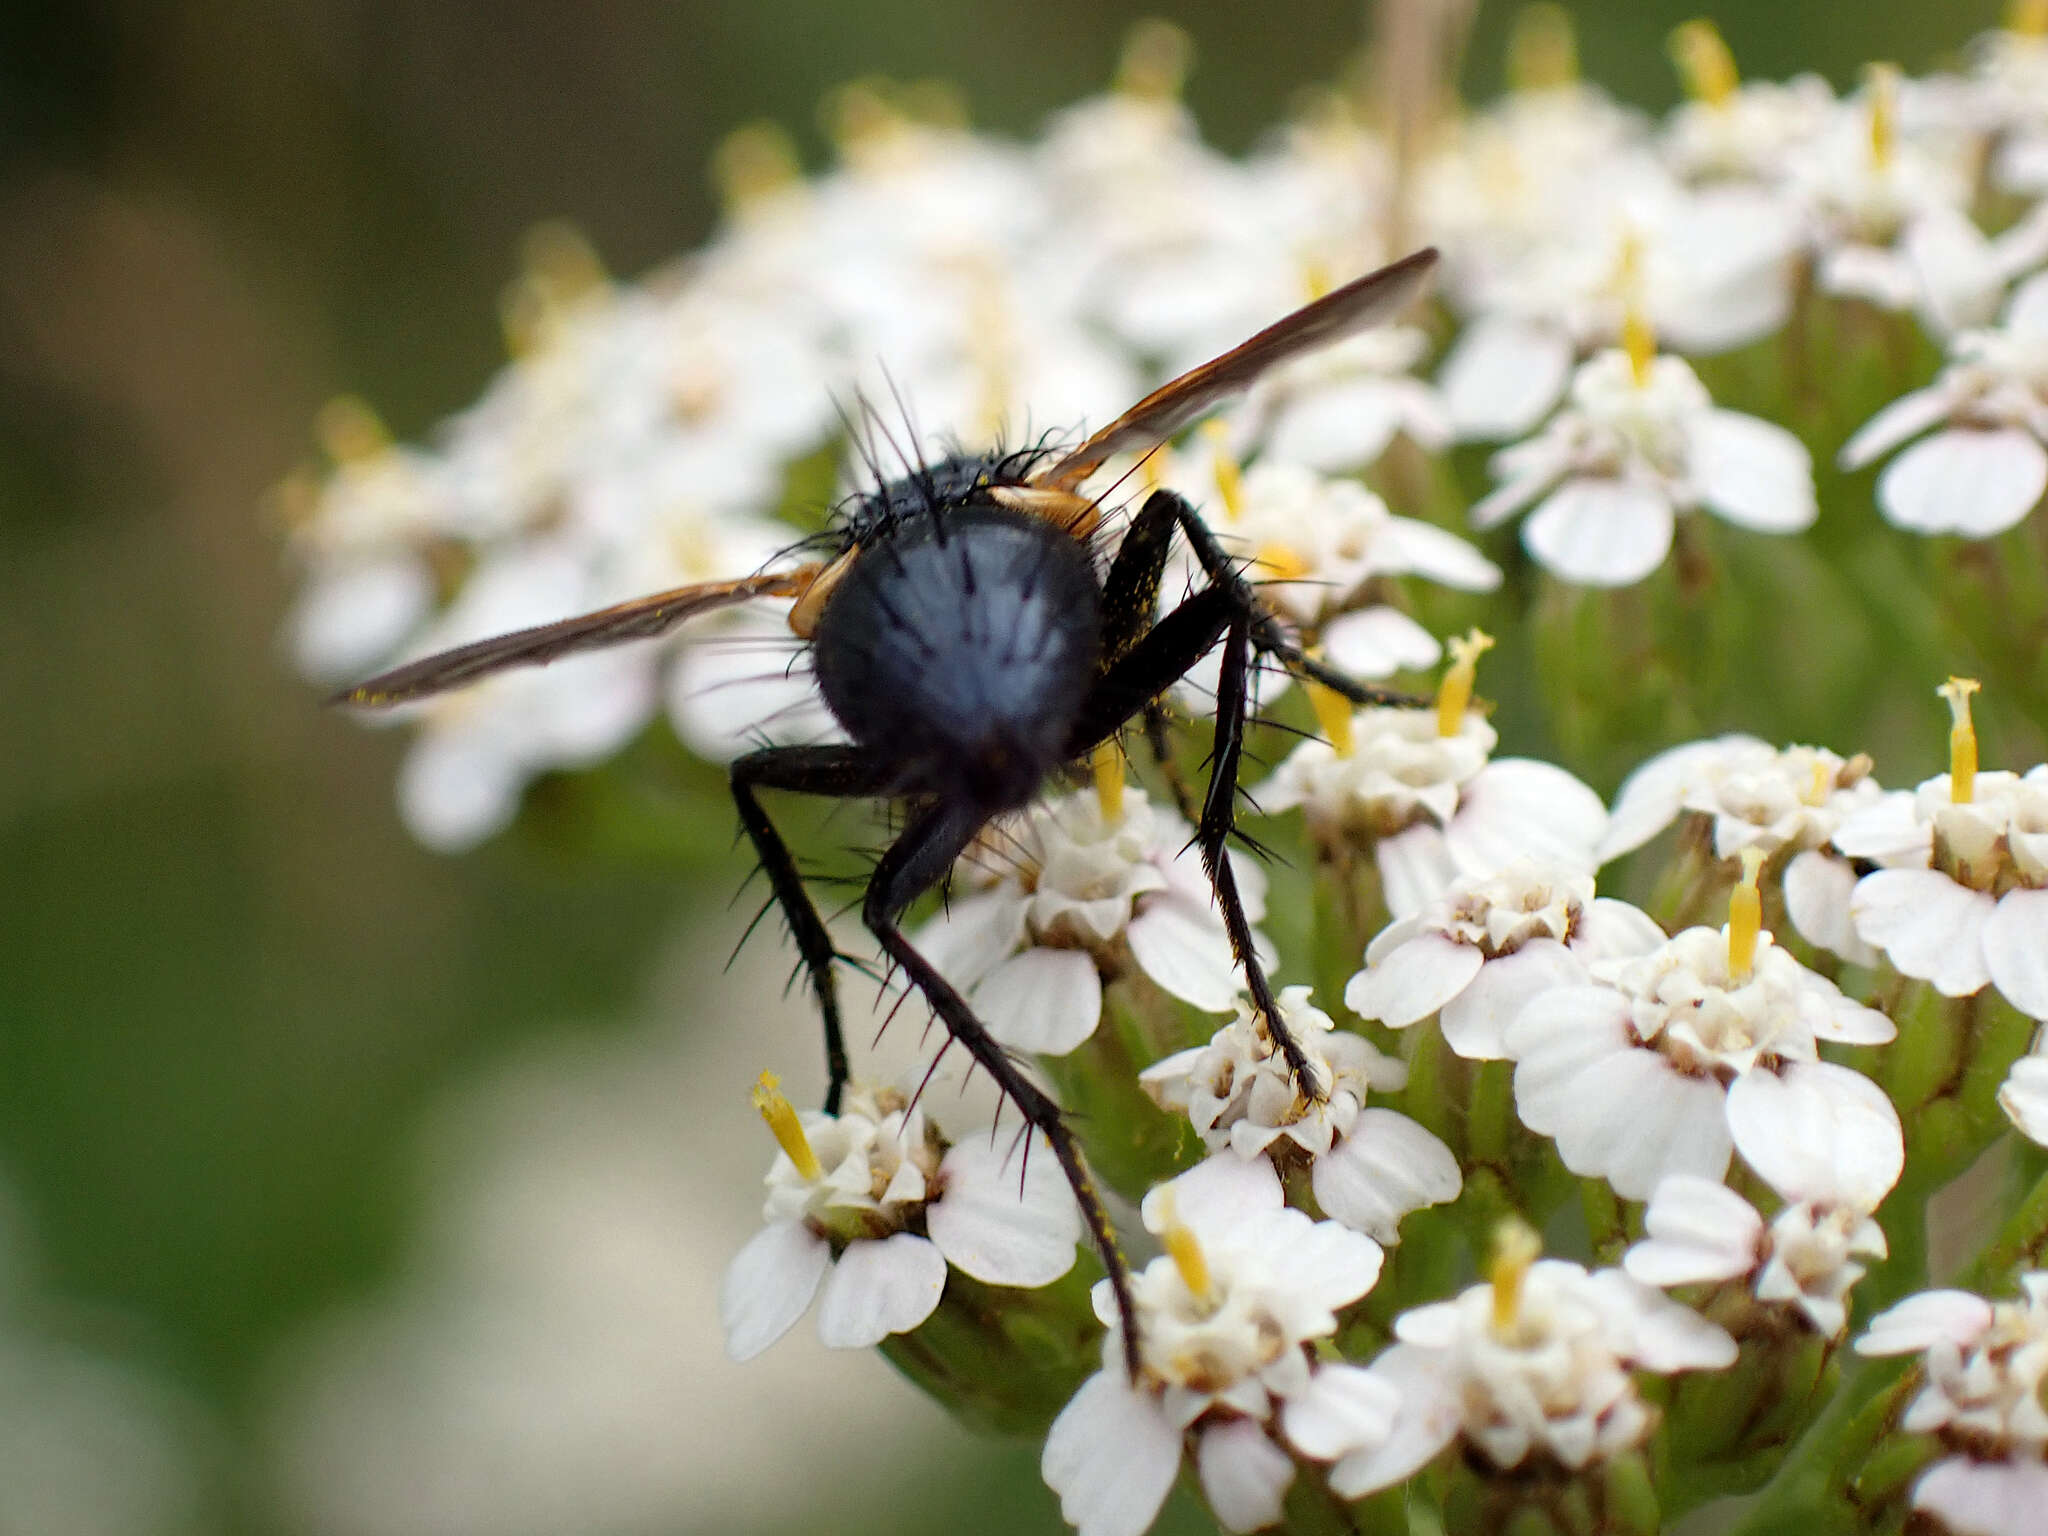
column 913, row 864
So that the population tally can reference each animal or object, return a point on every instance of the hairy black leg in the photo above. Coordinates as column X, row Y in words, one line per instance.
column 1268, row 635
column 913, row 864
column 840, row 772
column 1130, row 592
column 1156, row 723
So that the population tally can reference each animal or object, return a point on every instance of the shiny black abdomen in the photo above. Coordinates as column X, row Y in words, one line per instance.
column 961, row 645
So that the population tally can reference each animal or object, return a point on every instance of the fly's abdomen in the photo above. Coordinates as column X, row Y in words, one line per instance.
column 962, row 646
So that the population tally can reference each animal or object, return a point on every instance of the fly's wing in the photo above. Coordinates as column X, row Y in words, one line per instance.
column 1357, row 306
column 643, row 618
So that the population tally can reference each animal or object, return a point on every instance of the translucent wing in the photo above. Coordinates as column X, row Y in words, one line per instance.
column 641, row 619
column 1357, row 306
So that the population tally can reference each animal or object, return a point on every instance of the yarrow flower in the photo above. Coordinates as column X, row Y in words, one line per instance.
column 1963, row 898
column 1418, row 790
column 1640, row 442
column 1537, row 1363
column 1368, row 1167
column 1228, row 1316
column 1650, row 1066
column 1984, row 1365
column 1786, row 802
column 1478, row 952
column 1073, row 893
column 866, row 1209
column 1987, row 465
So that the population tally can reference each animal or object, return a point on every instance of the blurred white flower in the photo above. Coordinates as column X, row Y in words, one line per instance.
column 1986, row 467
column 1641, row 442
column 1369, row 1167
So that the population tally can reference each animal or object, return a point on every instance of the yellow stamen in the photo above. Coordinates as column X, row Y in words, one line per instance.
column 1638, row 336
column 859, row 115
column 1276, row 562
column 1152, row 470
column 1543, row 51
column 1187, row 1255
column 1516, row 1248
column 1822, row 785
column 753, row 164
column 349, row 431
column 1704, row 62
column 1962, row 740
column 1229, row 478
column 1883, row 80
column 2027, row 18
column 1333, row 714
column 789, row 1131
column 934, row 103
column 1745, row 917
column 1315, row 277
column 559, row 270
column 1107, row 765
column 1454, row 693
column 1155, row 60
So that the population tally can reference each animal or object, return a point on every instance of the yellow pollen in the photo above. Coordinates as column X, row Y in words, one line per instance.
column 1107, row 765
column 1454, row 693
column 1229, row 477
column 753, row 164
column 2027, row 18
column 1745, row 917
column 1516, row 1247
column 1333, row 714
column 1543, row 52
column 1155, row 60
column 1315, row 277
column 1962, row 740
column 1883, row 80
column 1187, row 1256
column 349, row 431
column 789, row 1131
column 1704, row 62
column 1279, row 563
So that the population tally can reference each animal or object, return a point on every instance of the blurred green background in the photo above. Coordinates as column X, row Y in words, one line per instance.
column 254, row 1044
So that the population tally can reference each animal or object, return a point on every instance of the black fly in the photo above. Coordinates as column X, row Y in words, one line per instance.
column 962, row 635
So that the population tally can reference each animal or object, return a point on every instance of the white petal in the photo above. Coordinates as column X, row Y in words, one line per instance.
column 1423, row 549
column 1613, row 930
column 1112, row 1457
column 348, row 619
column 1244, row 1474
column 1698, row 1230
column 1219, row 1191
column 1818, row 890
column 1984, row 1498
column 1345, row 1408
column 1818, row 1132
column 1556, row 1038
column 1600, row 533
column 1517, row 807
column 1415, row 866
column 1386, row 1166
column 1503, row 375
column 1906, row 417
column 1002, row 1217
column 1044, row 1000
column 769, row 1285
column 1376, row 642
column 1888, row 833
column 1924, row 1320
column 2016, row 950
column 880, row 1288
column 1753, row 472
column 1475, row 1022
column 1931, row 927
column 1185, row 949
column 1639, row 1121
column 1966, row 481
column 2024, row 1097
column 1656, row 1332
column 972, row 934
column 1337, row 427
column 456, row 789
column 1427, row 1421
column 1414, row 980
